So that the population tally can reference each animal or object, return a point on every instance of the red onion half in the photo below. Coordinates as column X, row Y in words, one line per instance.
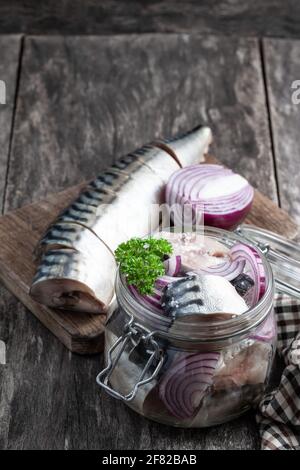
column 224, row 197
column 184, row 384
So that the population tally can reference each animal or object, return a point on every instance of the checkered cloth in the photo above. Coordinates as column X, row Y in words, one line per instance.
column 279, row 412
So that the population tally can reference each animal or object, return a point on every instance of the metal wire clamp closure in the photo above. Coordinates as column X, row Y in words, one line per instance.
column 134, row 333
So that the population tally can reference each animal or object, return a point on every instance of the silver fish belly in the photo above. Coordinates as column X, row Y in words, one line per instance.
column 76, row 263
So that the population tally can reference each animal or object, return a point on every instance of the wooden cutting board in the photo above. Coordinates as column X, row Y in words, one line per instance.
column 20, row 231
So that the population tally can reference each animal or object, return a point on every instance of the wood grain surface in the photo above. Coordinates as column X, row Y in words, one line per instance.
column 85, row 101
column 267, row 215
column 239, row 17
column 10, row 47
column 79, row 95
column 282, row 59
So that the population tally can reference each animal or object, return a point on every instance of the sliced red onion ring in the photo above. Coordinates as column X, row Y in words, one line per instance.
column 224, row 197
column 153, row 302
column 229, row 269
column 173, row 265
column 183, row 386
column 254, row 268
column 163, row 281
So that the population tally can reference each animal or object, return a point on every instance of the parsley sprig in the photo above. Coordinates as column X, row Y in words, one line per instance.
column 141, row 260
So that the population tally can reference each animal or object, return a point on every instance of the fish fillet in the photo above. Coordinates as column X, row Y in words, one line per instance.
column 76, row 263
column 73, row 280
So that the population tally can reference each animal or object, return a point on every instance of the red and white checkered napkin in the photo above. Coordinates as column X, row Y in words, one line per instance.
column 278, row 416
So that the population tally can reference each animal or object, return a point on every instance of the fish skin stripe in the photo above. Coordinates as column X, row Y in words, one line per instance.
column 84, row 227
column 183, row 135
column 126, row 160
column 78, row 211
column 85, row 209
column 60, row 228
column 89, row 201
column 184, row 280
column 51, row 237
column 69, row 216
column 92, row 195
column 180, row 292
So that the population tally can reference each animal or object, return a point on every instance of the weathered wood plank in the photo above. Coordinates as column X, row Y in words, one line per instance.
column 9, row 61
column 282, row 64
column 79, row 95
column 85, row 101
column 241, row 17
column 267, row 215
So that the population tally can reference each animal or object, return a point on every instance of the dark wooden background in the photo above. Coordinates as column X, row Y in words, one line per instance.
column 242, row 17
column 77, row 102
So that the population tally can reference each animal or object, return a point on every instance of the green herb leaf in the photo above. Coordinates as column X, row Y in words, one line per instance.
column 141, row 260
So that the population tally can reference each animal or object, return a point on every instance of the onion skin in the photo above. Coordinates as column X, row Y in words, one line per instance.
column 227, row 221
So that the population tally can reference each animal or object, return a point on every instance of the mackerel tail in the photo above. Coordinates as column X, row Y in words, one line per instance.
column 76, row 267
column 190, row 147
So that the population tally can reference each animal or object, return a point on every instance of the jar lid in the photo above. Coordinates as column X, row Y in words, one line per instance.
column 283, row 255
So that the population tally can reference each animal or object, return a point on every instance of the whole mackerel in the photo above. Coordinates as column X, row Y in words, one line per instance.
column 76, row 262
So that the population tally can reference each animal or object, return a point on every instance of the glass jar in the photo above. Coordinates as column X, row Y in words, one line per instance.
column 191, row 374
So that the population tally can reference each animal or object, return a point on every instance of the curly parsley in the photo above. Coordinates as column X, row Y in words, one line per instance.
column 141, row 260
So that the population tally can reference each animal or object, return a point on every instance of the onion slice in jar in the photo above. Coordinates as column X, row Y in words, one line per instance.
column 229, row 269
column 224, row 197
column 153, row 302
column 185, row 383
column 165, row 280
column 266, row 331
column 254, row 268
column 173, row 265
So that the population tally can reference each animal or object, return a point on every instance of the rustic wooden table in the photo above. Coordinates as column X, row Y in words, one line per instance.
column 73, row 105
